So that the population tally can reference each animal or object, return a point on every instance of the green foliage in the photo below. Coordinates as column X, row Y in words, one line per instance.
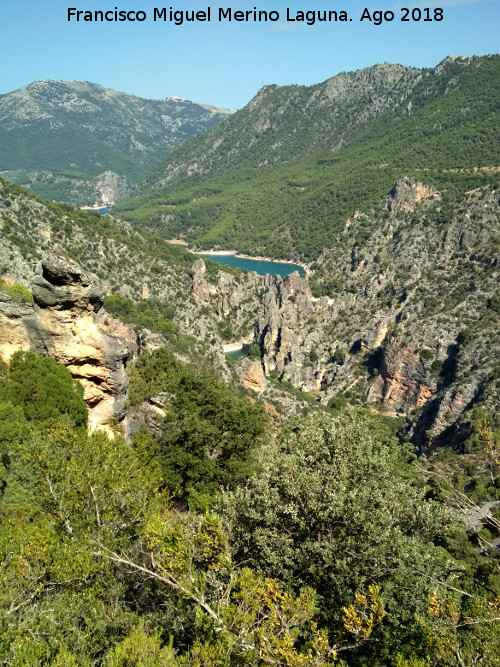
column 339, row 507
column 292, row 207
column 18, row 293
column 59, row 604
column 253, row 351
column 494, row 303
column 338, row 356
column 436, row 367
column 208, row 432
column 225, row 329
column 43, row 389
column 337, row 402
column 152, row 314
column 313, row 356
column 97, row 566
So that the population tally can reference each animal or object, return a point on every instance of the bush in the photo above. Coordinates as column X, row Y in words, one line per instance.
column 436, row 367
column 18, row 293
column 43, row 389
column 152, row 314
column 337, row 402
column 208, row 433
column 338, row 507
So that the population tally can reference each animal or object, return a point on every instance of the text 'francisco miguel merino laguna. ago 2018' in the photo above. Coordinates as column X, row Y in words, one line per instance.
column 227, row 14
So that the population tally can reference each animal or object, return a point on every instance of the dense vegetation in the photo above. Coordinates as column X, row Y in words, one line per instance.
column 292, row 207
column 100, row 567
column 152, row 314
column 207, row 432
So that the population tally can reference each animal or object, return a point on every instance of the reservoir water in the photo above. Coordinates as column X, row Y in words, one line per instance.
column 240, row 352
column 260, row 266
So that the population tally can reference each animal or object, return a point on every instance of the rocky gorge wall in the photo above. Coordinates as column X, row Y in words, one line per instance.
column 63, row 323
column 408, row 324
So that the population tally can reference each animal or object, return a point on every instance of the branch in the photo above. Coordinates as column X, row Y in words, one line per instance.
column 169, row 580
column 484, row 620
column 441, row 583
column 94, row 499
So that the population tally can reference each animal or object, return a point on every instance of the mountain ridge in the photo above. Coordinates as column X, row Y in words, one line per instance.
column 278, row 179
column 58, row 136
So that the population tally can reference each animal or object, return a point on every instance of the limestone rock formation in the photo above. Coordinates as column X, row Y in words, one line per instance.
column 63, row 324
column 252, row 375
column 110, row 187
column 408, row 320
column 408, row 193
column 403, row 381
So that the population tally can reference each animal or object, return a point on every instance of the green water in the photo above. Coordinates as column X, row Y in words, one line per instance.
column 260, row 266
column 237, row 354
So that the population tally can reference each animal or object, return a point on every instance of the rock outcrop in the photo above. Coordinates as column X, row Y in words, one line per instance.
column 110, row 187
column 63, row 323
column 408, row 318
column 403, row 381
column 408, row 193
column 252, row 375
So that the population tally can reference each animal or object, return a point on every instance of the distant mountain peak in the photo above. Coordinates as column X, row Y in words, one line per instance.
column 59, row 136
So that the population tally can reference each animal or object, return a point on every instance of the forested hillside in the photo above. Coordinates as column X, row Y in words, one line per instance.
column 281, row 176
column 62, row 138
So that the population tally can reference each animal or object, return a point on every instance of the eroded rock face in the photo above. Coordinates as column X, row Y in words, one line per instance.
column 252, row 375
column 280, row 332
column 110, row 187
column 408, row 193
column 403, row 382
column 62, row 323
column 391, row 330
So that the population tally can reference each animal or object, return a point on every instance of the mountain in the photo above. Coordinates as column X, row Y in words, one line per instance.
column 62, row 138
column 281, row 175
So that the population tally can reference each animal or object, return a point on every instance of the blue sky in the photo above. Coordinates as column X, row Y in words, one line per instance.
column 226, row 63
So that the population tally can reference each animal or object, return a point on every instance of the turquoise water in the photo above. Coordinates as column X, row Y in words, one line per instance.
column 237, row 354
column 260, row 266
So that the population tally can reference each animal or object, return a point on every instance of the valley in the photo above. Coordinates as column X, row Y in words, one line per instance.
column 280, row 177
column 283, row 454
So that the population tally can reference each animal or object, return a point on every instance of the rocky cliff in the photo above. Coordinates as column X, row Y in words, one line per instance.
column 401, row 311
column 62, row 322
column 405, row 315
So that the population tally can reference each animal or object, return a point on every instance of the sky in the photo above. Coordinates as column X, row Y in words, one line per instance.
column 225, row 63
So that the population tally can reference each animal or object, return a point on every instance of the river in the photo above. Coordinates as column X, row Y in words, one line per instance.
column 260, row 266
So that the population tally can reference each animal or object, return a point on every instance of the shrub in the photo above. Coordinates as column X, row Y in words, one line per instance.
column 43, row 389
column 18, row 293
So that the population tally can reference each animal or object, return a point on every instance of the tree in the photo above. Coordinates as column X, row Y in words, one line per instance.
column 339, row 507
column 208, row 433
column 58, row 601
column 43, row 389
column 243, row 618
